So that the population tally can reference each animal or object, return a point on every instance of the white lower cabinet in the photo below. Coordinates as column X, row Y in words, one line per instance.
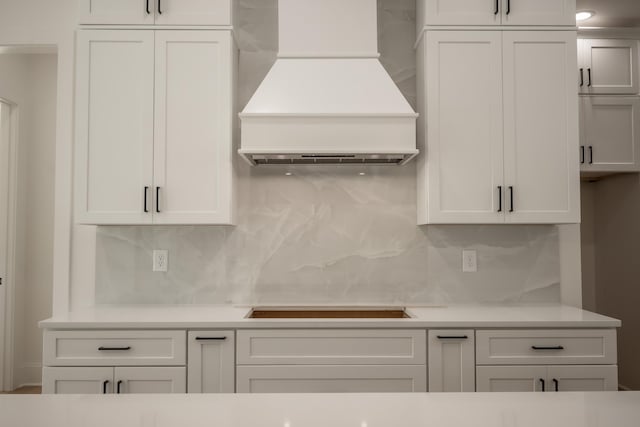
column 331, row 360
column 547, row 378
column 331, row 379
column 451, row 360
column 107, row 380
column 211, row 364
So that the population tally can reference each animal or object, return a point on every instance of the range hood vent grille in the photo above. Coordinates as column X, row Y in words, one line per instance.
column 311, row 159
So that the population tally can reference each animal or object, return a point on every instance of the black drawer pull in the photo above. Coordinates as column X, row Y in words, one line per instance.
column 118, row 386
column 582, row 154
column 452, row 337
column 581, row 77
column 114, row 348
column 542, row 384
column 104, row 386
column 211, row 338
column 556, row 384
column 542, row 347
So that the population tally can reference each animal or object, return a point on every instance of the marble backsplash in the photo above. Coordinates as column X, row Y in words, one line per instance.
column 326, row 234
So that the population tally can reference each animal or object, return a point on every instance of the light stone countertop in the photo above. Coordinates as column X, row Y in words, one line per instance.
column 233, row 317
column 608, row 409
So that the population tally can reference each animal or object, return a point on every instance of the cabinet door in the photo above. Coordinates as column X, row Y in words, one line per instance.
column 193, row 12
column 611, row 66
column 464, row 132
column 582, row 378
column 211, row 365
column 541, row 127
column 611, row 137
column 77, row 380
column 511, row 378
column 451, row 360
column 150, row 380
column 331, row 379
column 132, row 12
column 114, row 126
column 193, row 142
column 461, row 12
column 539, row 12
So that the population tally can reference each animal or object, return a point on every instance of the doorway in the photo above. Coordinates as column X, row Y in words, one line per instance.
column 28, row 100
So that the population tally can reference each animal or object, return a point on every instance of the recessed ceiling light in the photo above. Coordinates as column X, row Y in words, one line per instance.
column 288, row 173
column 583, row 15
column 362, row 174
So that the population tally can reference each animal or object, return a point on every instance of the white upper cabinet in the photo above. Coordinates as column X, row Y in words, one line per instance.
column 496, row 12
column 193, row 12
column 539, row 12
column 154, row 127
column 124, row 12
column 608, row 66
column 541, row 127
column 460, row 12
column 159, row 12
column 114, row 126
column 464, row 112
column 610, row 137
column 193, row 154
column 501, row 128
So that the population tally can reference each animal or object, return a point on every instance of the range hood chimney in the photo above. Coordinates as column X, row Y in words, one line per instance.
column 327, row 98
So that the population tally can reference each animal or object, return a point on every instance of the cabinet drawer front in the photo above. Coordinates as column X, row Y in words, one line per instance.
column 331, row 379
column 114, row 348
column 571, row 347
column 331, row 347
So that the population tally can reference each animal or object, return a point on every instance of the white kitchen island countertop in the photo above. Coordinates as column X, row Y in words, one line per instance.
column 233, row 317
column 610, row 409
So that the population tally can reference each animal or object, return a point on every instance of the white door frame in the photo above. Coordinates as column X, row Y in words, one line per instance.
column 7, row 308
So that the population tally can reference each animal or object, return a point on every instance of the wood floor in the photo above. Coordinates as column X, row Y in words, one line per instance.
column 25, row 390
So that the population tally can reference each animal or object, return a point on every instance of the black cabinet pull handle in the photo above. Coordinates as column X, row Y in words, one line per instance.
column 146, row 191
column 499, row 198
column 582, row 154
column 589, row 75
column 118, row 386
column 497, row 10
column 158, row 199
column 555, row 383
column 452, row 337
column 104, row 386
column 508, row 7
column 211, row 338
column 159, row 7
column 148, row 11
column 511, row 199
column 591, row 154
column 114, row 348
column 542, row 384
column 581, row 77
column 543, row 347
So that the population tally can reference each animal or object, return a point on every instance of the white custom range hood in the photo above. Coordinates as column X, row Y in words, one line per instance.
column 327, row 99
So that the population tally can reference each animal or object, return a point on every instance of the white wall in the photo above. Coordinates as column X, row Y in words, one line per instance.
column 30, row 82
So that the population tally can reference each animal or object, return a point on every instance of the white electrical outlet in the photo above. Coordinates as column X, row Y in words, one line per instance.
column 160, row 260
column 469, row 261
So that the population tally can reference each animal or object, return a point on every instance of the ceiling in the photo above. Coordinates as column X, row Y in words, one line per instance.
column 611, row 13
